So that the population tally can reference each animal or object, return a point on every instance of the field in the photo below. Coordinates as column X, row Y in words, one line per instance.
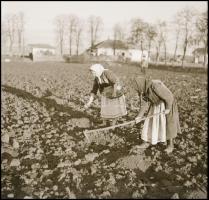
column 45, row 153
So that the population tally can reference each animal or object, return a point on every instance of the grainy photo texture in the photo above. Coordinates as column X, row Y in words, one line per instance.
column 104, row 99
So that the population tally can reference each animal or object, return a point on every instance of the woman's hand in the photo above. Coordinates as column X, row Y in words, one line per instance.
column 138, row 119
column 86, row 106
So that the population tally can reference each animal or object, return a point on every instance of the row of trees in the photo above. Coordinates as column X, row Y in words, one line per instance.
column 188, row 27
column 70, row 28
column 13, row 33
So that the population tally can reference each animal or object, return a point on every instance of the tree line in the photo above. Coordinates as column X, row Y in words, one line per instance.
column 13, row 33
column 189, row 28
column 70, row 28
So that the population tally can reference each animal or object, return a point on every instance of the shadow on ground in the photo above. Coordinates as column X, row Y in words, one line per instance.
column 48, row 103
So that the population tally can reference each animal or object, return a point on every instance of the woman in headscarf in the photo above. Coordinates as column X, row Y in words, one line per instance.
column 113, row 103
column 157, row 98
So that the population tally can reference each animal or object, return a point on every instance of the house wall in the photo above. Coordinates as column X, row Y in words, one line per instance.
column 43, row 51
column 105, row 51
column 110, row 52
column 135, row 55
column 43, row 54
column 199, row 58
column 121, row 52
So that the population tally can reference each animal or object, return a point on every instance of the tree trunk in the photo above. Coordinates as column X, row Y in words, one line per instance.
column 157, row 54
column 70, row 44
column 185, row 48
column 19, row 43
column 61, row 47
column 185, row 45
column 11, row 48
column 23, row 45
column 176, row 46
column 70, row 41
column 141, row 49
column 96, row 31
column 77, row 46
column 114, row 46
column 184, row 53
column 165, row 53
column 205, row 55
column 77, row 50
column 92, row 37
column 149, row 49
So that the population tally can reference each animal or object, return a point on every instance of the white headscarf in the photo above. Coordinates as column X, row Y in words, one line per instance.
column 98, row 69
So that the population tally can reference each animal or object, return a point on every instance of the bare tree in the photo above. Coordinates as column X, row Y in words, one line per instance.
column 124, row 32
column 13, row 32
column 151, row 34
column 177, row 30
column 164, row 31
column 159, row 40
column 71, row 30
column 4, row 37
column 60, row 22
column 117, row 35
column 186, row 16
column 119, row 32
column 78, row 31
column 95, row 24
column 138, row 32
column 10, row 30
column 202, row 28
column 20, row 32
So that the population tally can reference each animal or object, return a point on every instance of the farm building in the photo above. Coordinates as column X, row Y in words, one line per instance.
column 109, row 48
column 199, row 54
column 135, row 55
column 119, row 49
column 41, row 52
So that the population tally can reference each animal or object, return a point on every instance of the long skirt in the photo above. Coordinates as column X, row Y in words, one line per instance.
column 113, row 108
column 154, row 129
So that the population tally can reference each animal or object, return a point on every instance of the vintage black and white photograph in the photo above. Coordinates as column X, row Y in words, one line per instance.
column 104, row 99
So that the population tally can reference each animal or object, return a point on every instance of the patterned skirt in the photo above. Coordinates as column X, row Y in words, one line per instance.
column 113, row 108
column 154, row 129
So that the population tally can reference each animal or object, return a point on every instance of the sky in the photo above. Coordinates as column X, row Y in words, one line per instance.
column 39, row 15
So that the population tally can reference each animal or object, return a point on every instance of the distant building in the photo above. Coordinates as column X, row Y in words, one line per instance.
column 41, row 52
column 199, row 54
column 108, row 48
column 118, row 49
column 136, row 55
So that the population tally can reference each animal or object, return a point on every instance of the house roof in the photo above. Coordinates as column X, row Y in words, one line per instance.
column 133, row 46
column 47, row 46
column 110, row 44
column 200, row 51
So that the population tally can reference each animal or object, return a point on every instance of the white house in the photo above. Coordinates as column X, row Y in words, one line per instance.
column 199, row 55
column 109, row 48
column 41, row 52
column 119, row 49
column 136, row 55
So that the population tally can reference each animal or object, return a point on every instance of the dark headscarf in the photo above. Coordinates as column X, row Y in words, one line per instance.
column 139, row 83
